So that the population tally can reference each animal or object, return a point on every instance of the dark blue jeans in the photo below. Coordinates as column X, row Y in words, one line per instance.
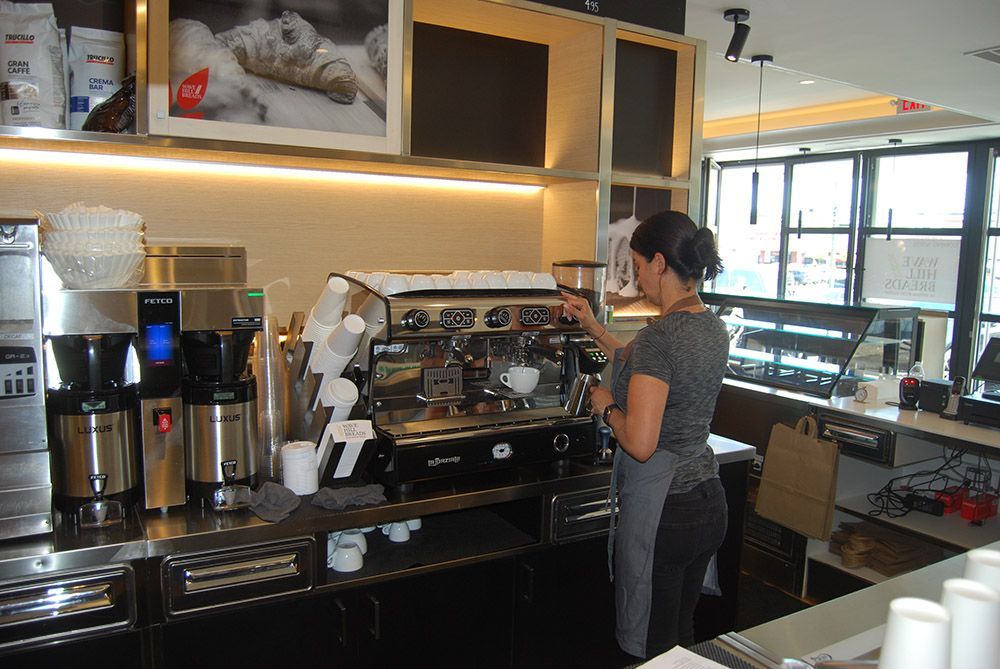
column 692, row 527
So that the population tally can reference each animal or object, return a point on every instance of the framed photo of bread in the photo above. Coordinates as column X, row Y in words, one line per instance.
column 294, row 72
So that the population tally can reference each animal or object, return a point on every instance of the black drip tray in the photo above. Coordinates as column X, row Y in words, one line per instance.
column 443, row 537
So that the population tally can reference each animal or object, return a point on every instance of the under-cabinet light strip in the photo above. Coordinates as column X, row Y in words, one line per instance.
column 191, row 167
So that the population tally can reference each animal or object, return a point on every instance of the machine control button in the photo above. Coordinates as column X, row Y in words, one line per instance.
column 533, row 316
column 561, row 442
column 458, row 319
column 498, row 317
column 416, row 319
column 164, row 420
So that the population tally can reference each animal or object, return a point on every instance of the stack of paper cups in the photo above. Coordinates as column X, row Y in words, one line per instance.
column 917, row 635
column 299, row 470
column 341, row 394
column 327, row 312
column 338, row 349
column 975, row 623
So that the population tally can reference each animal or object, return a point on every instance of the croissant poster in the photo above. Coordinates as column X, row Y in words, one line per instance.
column 319, row 66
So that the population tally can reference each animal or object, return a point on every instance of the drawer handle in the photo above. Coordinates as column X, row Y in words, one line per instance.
column 239, row 573
column 847, row 434
column 55, row 601
column 577, row 513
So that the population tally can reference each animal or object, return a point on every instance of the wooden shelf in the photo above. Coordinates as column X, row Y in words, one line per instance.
column 950, row 530
column 822, row 554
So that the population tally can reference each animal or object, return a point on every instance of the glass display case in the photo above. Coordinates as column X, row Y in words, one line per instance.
column 819, row 349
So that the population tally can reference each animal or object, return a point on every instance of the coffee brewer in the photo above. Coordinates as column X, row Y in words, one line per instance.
column 184, row 354
column 93, row 414
column 220, row 415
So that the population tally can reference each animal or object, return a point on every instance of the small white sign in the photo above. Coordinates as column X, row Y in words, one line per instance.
column 915, row 270
column 352, row 430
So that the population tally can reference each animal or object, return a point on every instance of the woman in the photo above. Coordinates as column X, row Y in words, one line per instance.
column 663, row 391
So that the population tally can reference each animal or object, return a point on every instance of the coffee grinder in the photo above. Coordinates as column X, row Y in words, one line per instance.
column 220, row 417
column 93, row 410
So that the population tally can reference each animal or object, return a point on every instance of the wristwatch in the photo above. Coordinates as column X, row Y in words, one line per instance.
column 607, row 411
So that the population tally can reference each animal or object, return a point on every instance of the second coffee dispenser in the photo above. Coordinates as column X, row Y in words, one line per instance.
column 169, row 367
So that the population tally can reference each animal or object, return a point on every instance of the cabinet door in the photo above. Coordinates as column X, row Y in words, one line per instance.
column 305, row 632
column 454, row 618
column 565, row 608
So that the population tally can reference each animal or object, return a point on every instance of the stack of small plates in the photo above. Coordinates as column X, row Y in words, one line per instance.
column 94, row 247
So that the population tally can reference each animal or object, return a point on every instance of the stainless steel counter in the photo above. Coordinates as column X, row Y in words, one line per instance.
column 191, row 528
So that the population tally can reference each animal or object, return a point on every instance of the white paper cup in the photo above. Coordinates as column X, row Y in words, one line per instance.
column 975, row 623
column 983, row 565
column 917, row 635
column 330, row 306
column 315, row 331
column 347, row 557
column 343, row 341
column 354, row 537
column 520, row 379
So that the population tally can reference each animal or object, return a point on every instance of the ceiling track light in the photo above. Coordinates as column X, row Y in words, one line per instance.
column 740, row 32
column 755, row 182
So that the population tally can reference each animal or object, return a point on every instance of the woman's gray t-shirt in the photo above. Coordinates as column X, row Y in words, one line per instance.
column 689, row 351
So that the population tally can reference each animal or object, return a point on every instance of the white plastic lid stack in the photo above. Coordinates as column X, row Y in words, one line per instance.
column 340, row 394
column 327, row 311
column 299, row 469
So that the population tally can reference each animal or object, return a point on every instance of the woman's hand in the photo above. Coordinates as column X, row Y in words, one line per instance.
column 600, row 398
column 578, row 307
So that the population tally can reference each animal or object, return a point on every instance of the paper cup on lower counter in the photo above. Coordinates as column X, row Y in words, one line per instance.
column 917, row 635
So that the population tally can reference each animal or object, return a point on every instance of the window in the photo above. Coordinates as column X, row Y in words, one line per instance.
column 990, row 307
column 750, row 253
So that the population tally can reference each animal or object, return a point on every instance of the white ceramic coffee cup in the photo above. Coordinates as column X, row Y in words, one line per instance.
column 347, row 556
column 421, row 282
column 395, row 283
column 414, row 524
column 518, row 279
column 520, row 379
column 975, row 621
column 543, row 280
column 917, row 635
column 983, row 565
column 354, row 536
column 397, row 532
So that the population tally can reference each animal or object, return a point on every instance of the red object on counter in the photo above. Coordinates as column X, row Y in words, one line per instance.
column 952, row 497
column 979, row 507
column 164, row 420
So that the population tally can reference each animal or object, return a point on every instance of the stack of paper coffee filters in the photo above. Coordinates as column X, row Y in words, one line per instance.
column 94, row 247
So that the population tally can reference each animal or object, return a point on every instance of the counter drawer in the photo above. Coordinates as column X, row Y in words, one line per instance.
column 196, row 582
column 580, row 514
column 66, row 605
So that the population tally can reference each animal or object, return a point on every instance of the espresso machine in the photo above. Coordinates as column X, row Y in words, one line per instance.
column 437, row 370
column 194, row 405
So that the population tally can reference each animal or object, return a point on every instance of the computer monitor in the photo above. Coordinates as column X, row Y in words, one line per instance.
column 988, row 367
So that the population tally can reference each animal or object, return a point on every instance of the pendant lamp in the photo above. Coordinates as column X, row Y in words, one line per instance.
column 755, row 183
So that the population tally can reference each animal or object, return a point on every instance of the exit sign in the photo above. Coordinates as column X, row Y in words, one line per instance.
column 907, row 106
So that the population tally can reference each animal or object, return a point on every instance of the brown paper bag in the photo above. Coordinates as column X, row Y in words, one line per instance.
column 799, row 481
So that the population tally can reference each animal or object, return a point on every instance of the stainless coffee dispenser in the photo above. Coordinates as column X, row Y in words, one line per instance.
column 93, row 411
column 220, row 414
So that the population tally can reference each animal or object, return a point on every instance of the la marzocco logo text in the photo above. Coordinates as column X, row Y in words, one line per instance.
column 158, row 300
column 235, row 418
column 444, row 461
column 18, row 38
column 94, row 429
column 102, row 60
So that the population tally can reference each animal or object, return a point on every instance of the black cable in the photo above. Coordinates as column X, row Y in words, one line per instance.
column 890, row 499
